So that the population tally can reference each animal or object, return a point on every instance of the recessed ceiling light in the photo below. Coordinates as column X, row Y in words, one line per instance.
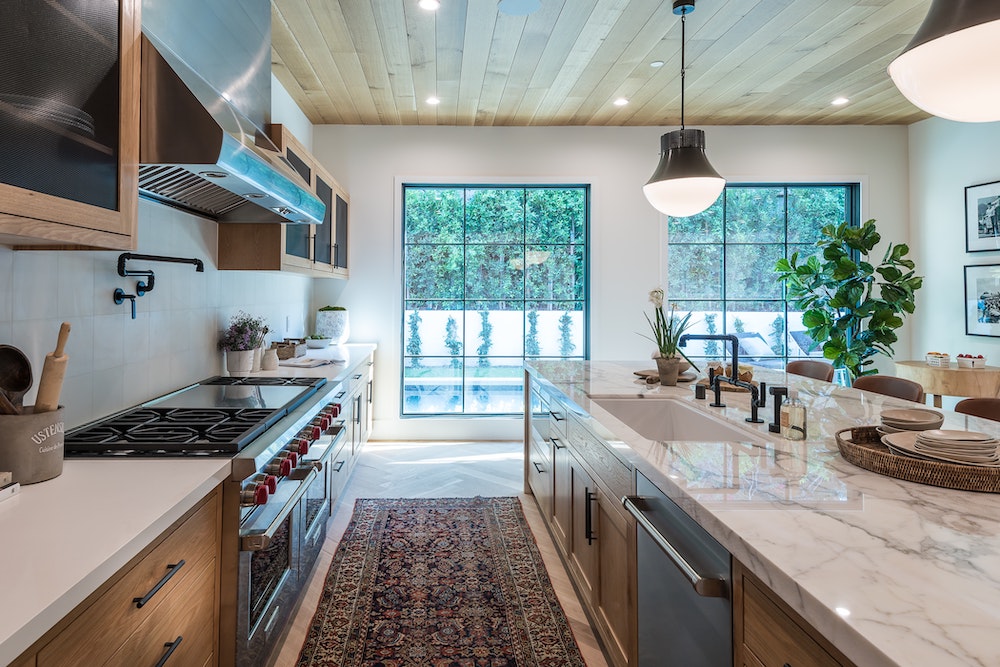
column 518, row 7
column 429, row 5
column 433, row 100
column 656, row 63
column 620, row 102
column 840, row 101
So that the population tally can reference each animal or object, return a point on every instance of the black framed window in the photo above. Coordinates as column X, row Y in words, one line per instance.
column 721, row 264
column 492, row 275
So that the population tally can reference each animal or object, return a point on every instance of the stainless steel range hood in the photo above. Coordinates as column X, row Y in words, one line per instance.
column 199, row 153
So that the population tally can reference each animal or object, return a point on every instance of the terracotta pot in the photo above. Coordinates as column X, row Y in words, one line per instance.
column 668, row 369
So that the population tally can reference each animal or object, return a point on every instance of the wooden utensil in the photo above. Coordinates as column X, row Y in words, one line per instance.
column 53, row 372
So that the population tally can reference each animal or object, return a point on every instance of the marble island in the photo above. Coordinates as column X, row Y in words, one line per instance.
column 891, row 572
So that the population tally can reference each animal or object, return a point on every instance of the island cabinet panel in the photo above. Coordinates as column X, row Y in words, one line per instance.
column 69, row 115
column 318, row 250
column 769, row 634
column 177, row 581
column 577, row 483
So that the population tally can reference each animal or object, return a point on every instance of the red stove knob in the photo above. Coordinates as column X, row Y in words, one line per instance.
column 299, row 446
column 293, row 459
column 255, row 494
column 271, row 482
column 279, row 466
column 317, row 432
column 334, row 410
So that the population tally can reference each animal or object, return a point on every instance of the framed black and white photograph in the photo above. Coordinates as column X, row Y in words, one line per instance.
column 982, row 300
column 982, row 217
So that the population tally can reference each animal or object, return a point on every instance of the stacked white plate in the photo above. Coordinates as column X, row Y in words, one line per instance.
column 965, row 447
column 909, row 419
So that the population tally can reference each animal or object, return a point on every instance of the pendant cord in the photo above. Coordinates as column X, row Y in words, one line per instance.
column 683, row 68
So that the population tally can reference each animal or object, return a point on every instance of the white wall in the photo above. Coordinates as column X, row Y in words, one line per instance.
column 284, row 110
column 945, row 157
column 626, row 233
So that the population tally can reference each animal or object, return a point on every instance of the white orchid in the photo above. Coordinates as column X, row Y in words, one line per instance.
column 656, row 297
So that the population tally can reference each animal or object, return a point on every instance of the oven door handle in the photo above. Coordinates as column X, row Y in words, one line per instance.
column 262, row 540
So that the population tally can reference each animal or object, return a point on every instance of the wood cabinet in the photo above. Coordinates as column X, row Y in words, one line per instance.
column 767, row 633
column 317, row 250
column 577, row 487
column 69, row 171
column 165, row 601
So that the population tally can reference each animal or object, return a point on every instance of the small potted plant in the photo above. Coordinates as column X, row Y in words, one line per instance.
column 667, row 330
column 332, row 321
column 241, row 340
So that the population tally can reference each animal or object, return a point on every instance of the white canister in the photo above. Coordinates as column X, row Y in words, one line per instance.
column 333, row 324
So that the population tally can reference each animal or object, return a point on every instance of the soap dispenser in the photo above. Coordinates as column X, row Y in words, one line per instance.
column 793, row 417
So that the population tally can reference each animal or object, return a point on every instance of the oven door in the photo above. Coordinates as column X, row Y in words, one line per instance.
column 269, row 569
column 316, row 501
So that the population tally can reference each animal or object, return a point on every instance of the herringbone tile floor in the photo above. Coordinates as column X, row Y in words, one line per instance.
column 440, row 470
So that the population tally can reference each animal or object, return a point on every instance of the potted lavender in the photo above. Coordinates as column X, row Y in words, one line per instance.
column 243, row 342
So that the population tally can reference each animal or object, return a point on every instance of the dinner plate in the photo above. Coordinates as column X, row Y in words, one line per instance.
column 905, row 443
column 907, row 415
column 952, row 435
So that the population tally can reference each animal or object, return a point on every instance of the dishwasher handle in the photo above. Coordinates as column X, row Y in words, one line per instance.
column 709, row 587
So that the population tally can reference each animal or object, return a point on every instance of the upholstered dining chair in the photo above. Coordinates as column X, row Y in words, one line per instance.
column 811, row 368
column 988, row 408
column 891, row 386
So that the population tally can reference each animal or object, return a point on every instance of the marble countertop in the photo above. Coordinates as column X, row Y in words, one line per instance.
column 64, row 537
column 891, row 572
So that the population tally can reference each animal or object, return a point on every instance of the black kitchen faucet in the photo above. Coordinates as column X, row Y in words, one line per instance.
column 758, row 395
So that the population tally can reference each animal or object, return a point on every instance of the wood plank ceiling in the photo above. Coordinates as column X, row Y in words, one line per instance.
column 749, row 62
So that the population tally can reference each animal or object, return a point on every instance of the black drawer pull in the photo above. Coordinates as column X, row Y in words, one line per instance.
column 338, row 466
column 538, row 466
column 171, row 571
column 588, row 521
column 171, row 647
column 556, row 441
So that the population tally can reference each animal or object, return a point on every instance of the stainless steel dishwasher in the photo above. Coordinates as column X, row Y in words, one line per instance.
column 685, row 613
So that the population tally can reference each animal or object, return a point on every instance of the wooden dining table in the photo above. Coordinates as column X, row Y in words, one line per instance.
column 951, row 380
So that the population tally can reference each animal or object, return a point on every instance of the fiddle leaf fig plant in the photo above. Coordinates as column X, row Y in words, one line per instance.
column 848, row 305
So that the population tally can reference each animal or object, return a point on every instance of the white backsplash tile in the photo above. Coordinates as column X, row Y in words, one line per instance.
column 116, row 362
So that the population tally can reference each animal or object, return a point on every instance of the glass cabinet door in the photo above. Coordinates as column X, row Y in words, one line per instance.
column 68, row 113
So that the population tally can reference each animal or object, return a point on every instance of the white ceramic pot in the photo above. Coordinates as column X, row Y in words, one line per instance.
column 239, row 362
column 333, row 324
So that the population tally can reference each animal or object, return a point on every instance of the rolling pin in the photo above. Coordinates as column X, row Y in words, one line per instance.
column 53, row 372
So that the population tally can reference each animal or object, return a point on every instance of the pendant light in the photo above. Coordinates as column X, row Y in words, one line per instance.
column 949, row 68
column 684, row 183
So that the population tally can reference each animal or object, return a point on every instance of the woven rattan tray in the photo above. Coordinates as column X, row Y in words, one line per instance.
column 863, row 447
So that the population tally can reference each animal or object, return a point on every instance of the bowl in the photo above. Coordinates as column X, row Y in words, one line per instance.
column 971, row 362
column 317, row 343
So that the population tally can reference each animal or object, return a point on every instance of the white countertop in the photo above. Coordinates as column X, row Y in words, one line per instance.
column 891, row 572
column 64, row 537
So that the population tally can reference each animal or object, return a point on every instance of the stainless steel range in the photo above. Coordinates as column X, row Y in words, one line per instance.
column 283, row 435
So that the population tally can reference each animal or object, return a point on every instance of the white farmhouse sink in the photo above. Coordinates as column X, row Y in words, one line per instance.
column 673, row 420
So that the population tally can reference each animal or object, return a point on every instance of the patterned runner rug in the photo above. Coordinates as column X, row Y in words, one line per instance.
column 450, row 582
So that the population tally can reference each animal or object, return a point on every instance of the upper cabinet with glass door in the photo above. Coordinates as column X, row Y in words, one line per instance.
column 317, row 250
column 69, row 118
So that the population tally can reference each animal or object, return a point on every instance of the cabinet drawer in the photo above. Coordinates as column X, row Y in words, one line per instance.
column 540, row 476
column 93, row 636
column 773, row 638
column 615, row 475
column 189, row 614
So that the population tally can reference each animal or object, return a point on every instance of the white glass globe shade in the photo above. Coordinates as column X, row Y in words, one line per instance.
column 956, row 76
column 681, row 197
